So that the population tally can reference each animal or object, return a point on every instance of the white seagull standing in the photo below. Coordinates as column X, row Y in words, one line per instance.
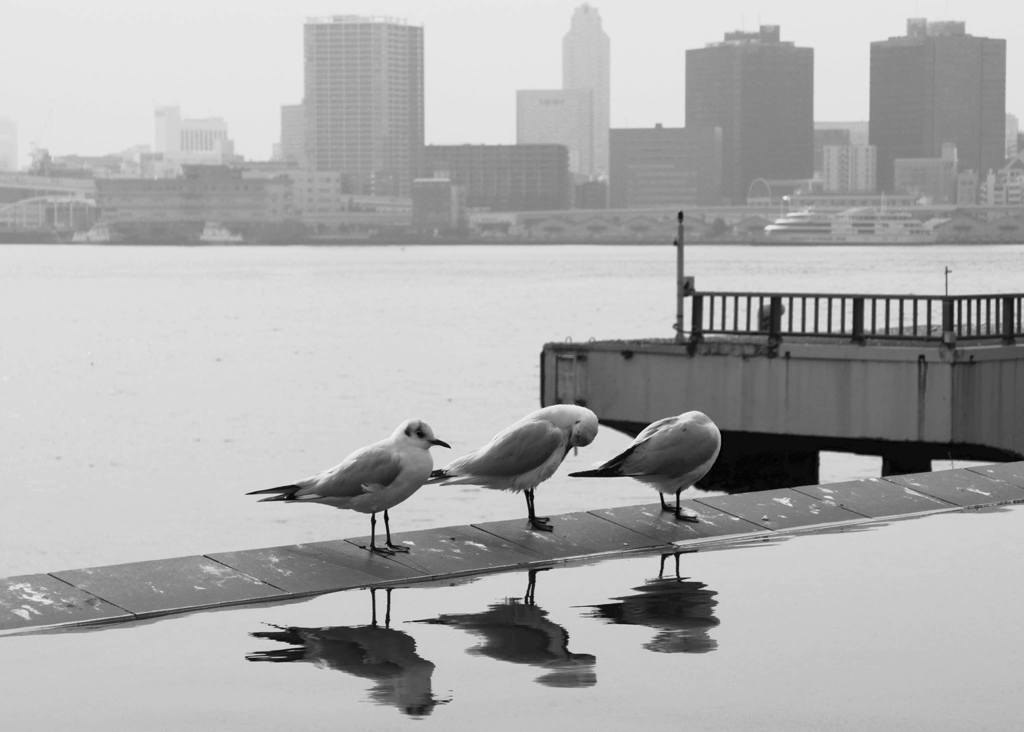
column 372, row 479
column 670, row 454
column 525, row 454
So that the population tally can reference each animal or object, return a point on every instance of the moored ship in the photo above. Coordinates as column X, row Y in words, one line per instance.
column 852, row 226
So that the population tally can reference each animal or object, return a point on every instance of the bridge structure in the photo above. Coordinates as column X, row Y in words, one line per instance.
column 786, row 375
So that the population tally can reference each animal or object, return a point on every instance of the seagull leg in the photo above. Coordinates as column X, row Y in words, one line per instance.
column 684, row 514
column 540, row 523
column 387, row 529
column 373, row 530
column 665, row 506
column 387, row 610
column 373, row 606
column 661, row 567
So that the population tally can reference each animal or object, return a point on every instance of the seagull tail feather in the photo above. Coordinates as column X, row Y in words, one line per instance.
column 604, row 471
column 281, row 493
column 437, row 475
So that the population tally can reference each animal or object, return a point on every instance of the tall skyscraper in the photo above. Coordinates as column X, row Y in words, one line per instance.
column 937, row 84
column 586, row 64
column 364, row 101
column 760, row 91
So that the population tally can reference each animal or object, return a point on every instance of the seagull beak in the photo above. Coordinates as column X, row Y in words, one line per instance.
column 441, row 443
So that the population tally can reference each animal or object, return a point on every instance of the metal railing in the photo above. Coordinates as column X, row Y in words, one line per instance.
column 858, row 318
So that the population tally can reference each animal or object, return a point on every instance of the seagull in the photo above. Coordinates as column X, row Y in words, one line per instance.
column 670, row 454
column 372, row 479
column 524, row 455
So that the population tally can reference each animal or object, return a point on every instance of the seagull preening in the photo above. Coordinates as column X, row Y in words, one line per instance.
column 671, row 454
column 525, row 454
column 372, row 479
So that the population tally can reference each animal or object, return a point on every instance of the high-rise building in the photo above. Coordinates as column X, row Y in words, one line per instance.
column 760, row 91
column 364, row 101
column 293, row 134
column 8, row 144
column 665, row 166
column 937, row 84
column 1012, row 132
column 849, row 168
column 183, row 141
column 561, row 117
column 586, row 64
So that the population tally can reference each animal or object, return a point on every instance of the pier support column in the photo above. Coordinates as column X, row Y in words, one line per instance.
column 907, row 460
column 754, row 463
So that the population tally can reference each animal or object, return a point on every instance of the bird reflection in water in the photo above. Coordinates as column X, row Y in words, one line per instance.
column 681, row 609
column 518, row 631
column 387, row 656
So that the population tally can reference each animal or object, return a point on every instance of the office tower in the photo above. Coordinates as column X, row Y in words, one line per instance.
column 586, row 64
column 191, row 141
column 849, row 168
column 561, row 117
column 293, row 134
column 664, row 166
column 937, row 84
column 760, row 91
column 1012, row 131
column 8, row 144
column 364, row 101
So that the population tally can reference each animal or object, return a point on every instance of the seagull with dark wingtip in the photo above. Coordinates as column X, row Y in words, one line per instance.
column 524, row 455
column 671, row 454
column 372, row 479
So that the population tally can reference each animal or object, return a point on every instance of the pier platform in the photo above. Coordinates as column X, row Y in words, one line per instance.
column 125, row 592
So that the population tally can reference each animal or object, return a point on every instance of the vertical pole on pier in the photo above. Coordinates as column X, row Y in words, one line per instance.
column 1008, row 324
column 948, row 334
column 680, row 278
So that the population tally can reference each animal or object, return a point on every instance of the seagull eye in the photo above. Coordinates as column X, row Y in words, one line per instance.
column 419, row 433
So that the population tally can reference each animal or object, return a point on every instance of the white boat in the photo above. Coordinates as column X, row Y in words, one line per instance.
column 852, row 226
column 214, row 233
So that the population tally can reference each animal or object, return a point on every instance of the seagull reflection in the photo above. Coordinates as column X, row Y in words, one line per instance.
column 682, row 609
column 518, row 631
column 385, row 655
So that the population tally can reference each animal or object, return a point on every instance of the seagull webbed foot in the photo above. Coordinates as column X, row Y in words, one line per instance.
column 398, row 548
column 685, row 514
column 541, row 524
column 374, row 549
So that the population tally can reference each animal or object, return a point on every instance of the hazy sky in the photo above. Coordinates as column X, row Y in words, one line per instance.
column 83, row 77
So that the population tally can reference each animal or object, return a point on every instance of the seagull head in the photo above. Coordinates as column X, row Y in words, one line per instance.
column 579, row 423
column 584, row 430
column 418, row 433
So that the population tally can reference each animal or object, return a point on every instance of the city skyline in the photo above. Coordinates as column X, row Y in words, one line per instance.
column 95, row 74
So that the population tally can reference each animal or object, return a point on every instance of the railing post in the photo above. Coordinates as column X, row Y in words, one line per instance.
column 858, row 320
column 697, row 319
column 775, row 320
column 948, row 334
column 1009, row 326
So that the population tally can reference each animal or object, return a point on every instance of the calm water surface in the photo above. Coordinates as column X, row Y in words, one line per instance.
column 143, row 390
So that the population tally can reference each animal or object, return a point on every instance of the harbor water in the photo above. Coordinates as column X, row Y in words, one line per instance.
column 144, row 390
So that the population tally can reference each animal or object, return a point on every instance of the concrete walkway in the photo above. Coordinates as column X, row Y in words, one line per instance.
column 79, row 597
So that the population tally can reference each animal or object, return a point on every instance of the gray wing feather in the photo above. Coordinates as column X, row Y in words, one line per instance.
column 672, row 450
column 369, row 467
column 517, row 450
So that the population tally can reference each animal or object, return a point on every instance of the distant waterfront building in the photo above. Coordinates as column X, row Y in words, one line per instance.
column 937, row 84
column 182, row 141
column 849, row 168
column 665, row 166
column 8, row 144
column 364, row 101
column 586, row 64
column 561, row 117
column 1012, row 135
column 1005, row 187
column 505, row 177
column 438, row 206
column 760, row 91
column 293, row 134
column 823, row 137
column 933, row 180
